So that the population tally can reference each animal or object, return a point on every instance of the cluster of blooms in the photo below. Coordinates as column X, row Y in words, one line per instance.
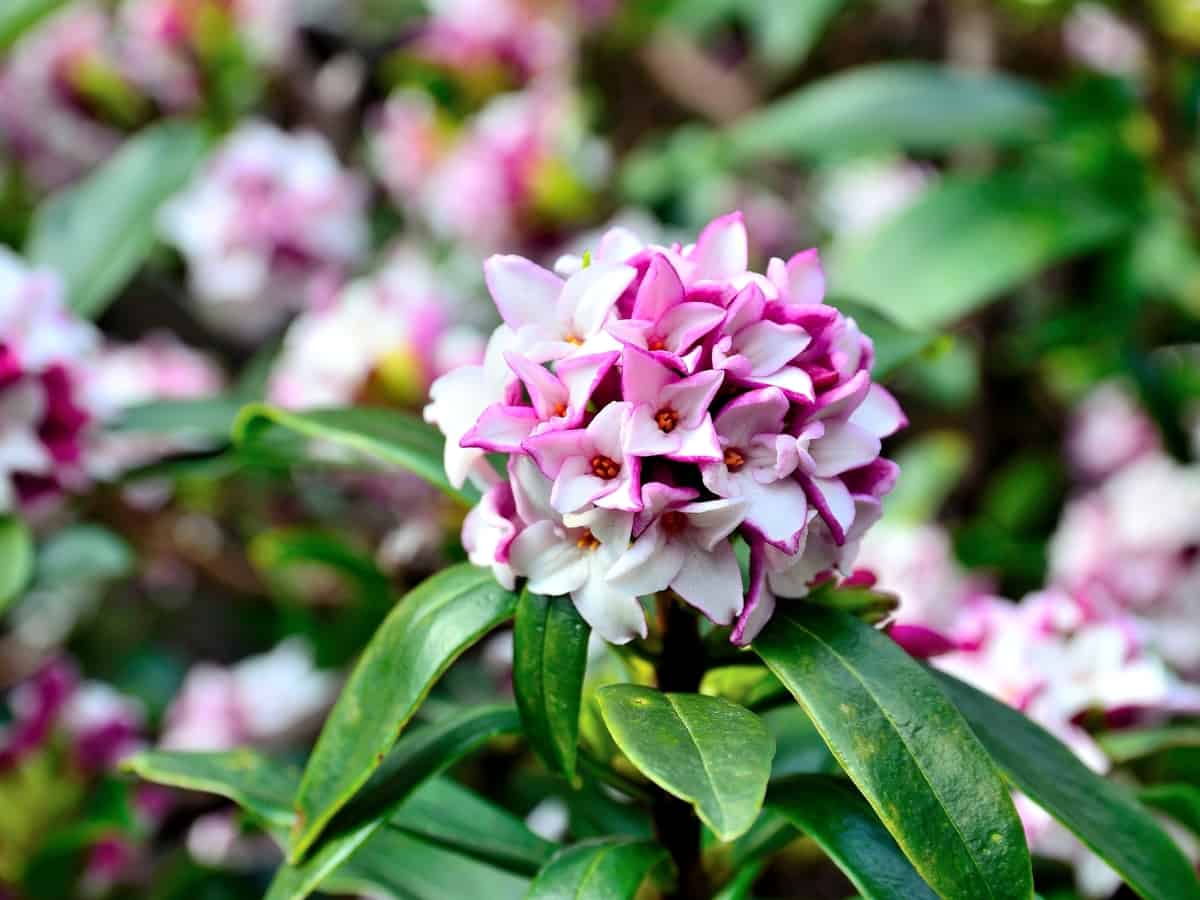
column 523, row 162
column 166, row 41
column 271, row 223
column 76, row 82
column 43, row 418
column 391, row 334
column 59, row 381
column 262, row 700
column 654, row 403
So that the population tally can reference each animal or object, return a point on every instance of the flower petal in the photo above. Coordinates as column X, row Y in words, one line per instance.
column 660, row 290
column 501, row 429
column 841, row 448
column 589, row 294
column 524, row 292
column 711, row 581
column 553, row 564
column 721, row 250
column 753, row 413
column 879, row 413
column 649, row 565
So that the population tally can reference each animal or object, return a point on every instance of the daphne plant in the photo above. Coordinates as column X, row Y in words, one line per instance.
column 678, row 456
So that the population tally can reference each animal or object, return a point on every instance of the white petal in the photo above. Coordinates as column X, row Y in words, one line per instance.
column 842, row 448
column 879, row 413
column 552, row 562
column 524, row 292
column 649, row 565
column 711, row 581
column 615, row 615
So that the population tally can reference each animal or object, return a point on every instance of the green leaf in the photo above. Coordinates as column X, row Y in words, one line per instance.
column 397, row 865
column 415, row 758
column 446, row 813
column 260, row 785
column 549, row 659
column 740, row 885
column 968, row 240
column 785, row 33
column 83, row 553
column 835, row 815
column 906, row 748
column 18, row 16
column 421, row 637
column 16, row 559
column 799, row 748
column 1135, row 743
column 1179, row 801
column 97, row 233
column 351, row 436
column 203, row 418
column 439, row 811
column 902, row 105
column 1101, row 814
column 600, row 869
column 712, row 753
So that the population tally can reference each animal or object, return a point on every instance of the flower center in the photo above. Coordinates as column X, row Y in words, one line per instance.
column 560, row 410
column 667, row 419
column 604, row 467
column 574, row 339
column 656, row 343
column 734, row 459
column 587, row 541
column 673, row 521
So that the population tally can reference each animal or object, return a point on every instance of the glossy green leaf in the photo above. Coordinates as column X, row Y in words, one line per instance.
column 198, row 418
column 712, row 753
column 16, row 559
column 896, row 105
column 1136, row 743
column 415, row 758
column 600, row 869
column 259, row 784
column 831, row 812
column 397, row 865
column 799, row 747
column 1179, row 801
column 355, row 436
column 421, row 637
column 739, row 887
column 975, row 238
column 97, row 233
column 906, row 748
column 439, row 811
column 444, row 812
column 784, row 33
column 83, row 553
column 549, row 659
column 18, row 16
column 1101, row 813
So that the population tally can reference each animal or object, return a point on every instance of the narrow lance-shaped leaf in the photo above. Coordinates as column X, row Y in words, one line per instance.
column 439, row 811
column 832, row 813
column 890, row 106
column 415, row 758
column 355, row 436
column 16, row 559
column 549, row 659
column 18, row 16
column 97, row 233
column 1101, row 813
column 907, row 749
column 397, row 865
column 600, row 869
column 430, row 627
column 1020, row 222
column 712, row 753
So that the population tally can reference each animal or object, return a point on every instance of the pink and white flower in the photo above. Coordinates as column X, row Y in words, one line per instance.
column 271, row 223
column 670, row 396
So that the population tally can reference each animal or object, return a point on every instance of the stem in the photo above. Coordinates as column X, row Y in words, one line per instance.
column 680, row 669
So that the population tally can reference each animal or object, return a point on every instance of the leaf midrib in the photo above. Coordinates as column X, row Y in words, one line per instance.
column 916, row 762
column 703, row 764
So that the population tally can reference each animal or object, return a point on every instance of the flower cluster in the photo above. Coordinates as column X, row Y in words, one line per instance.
column 386, row 338
column 43, row 418
column 272, row 223
column 522, row 163
column 653, row 404
column 262, row 700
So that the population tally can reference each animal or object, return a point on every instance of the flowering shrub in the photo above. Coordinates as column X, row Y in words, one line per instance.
column 432, row 466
